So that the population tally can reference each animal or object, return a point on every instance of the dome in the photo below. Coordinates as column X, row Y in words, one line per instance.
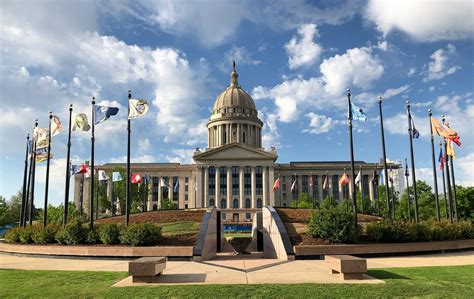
column 235, row 98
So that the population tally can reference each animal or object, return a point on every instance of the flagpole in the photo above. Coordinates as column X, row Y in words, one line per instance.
column 27, row 195
column 46, row 187
column 455, row 201
column 25, row 174
column 91, row 178
column 112, row 211
column 33, row 171
column 97, row 198
column 408, row 190
column 68, row 169
column 384, row 158
column 444, row 184
column 146, row 193
column 435, row 179
column 81, row 197
column 279, row 181
column 410, row 137
column 127, row 199
column 354, row 199
column 448, row 179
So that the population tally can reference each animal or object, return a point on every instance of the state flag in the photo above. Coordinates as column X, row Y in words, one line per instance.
column 276, row 184
column 293, row 186
column 103, row 113
column 344, row 180
column 137, row 108
column 81, row 123
column 414, row 133
column 56, row 126
column 41, row 137
column 325, row 183
column 163, row 183
column 357, row 179
column 358, row 113
column 176, row 186
column 136, row 178
column 116, row 176
column 441, row 159
column 102, row 176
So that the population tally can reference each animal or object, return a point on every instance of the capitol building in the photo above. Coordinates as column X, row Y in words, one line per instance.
column 235, row 173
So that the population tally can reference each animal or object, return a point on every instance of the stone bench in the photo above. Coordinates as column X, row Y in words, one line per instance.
column 146, row 269
column 348, row 266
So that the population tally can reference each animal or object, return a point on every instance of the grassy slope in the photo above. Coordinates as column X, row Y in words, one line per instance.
column 439, row 282
column 177, row 228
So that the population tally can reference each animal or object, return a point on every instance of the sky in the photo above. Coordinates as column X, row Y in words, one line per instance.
column 295, row 58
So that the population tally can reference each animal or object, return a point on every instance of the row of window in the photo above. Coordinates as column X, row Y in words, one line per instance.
column 235, row 180
column 235, row 203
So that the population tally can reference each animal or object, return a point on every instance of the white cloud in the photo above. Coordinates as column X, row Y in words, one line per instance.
column 318, row 123
column 391, row 92
column 438, row 67
column 463, row 167
column 240, row 55
column 302, row 50
column 181, row 156
column 270, row 133
column 369, row 99
column 411, row 72
column 357, row 67
column 424, row 20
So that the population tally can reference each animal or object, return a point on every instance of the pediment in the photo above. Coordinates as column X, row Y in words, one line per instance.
column 235, row 151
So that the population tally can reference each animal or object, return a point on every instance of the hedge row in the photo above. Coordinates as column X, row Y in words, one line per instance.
column 399, row 231
column 137, row 234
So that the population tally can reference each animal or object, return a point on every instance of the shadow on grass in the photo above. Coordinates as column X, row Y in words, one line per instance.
column 382, row 274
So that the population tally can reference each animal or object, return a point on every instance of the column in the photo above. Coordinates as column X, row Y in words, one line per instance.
column 371, row 190
column 320, row 186
column 229, row 135
column 159, row 192
column 149, row 205
column 218, row 187
column 206, row 186
column 241, row 186
column 238, row 134
column 299, row 189
column 271, row 178
column 254, row 196
column 196, row 192
column 170, row 188
column 109, row 190
column 265, row 199
column 229, row 187
column 310, row 188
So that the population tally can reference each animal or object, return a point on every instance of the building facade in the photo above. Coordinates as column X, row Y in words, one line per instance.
column 235, row 173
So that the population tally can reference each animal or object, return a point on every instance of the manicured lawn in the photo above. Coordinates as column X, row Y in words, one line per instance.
column 438, row 282
column 177, row 228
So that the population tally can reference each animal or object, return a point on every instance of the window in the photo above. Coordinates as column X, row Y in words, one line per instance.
column 259, row 203
column 235, row 203
column 247, row 180
column 365, row 185
column 212, row 180
column 212, row 203
column 315, row 187
column 243, row 137
column 186, row 188
column 345, row 191
column 258, row 180
column 283, row 179
column 223, row 180
column 223, row 203
column 247, row 204
column 235, row 180
column 304, row 184
column 186, row 206
column 248, row 216
column 335, row 186
column 185, row 197
column 155, row 207
column 186, row 179
column 223, row 216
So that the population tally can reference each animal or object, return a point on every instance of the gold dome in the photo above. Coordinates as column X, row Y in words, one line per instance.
column 234, row 99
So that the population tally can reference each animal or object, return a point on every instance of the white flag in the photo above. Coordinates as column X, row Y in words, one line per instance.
column 103, row 175
column 163, row 183
column 357, row 180
column 293, row 186
column 80, row 123
column 137, row 108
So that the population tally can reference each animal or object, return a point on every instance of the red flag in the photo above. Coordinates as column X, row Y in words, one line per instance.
column 325, row 184
column 136, row 178
column 82, row 168
column 344, row 180
column 276, row 185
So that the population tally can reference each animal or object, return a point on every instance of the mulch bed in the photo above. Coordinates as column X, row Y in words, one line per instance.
column 303, row 215
column 179, row 240
column 166, row 216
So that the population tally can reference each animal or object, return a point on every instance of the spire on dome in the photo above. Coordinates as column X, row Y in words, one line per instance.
column 234, row 76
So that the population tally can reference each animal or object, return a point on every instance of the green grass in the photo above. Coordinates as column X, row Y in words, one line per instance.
column 432, row 282
column 178, row 228
column 238, row 235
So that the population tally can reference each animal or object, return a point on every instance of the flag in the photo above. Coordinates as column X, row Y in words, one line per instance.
column 450, row 148
column 136, row 178
column 276, row 184
column 116, row 176
column 137, row 108
column 442, row 130
column 42, row 154
column 414, row 133
column 81, row 123
column 103, row 113
column 87, row 174
column 163, row 183
column 344, row 180
column 83, row 168
column 30, row 146
column 374, row 176
column 357, row 180
column 358, row 113
column 441, row 159
column 407, row 174
column 74, row 169
column 325, row 183
column 176, row 186
column 41, row 137
column 103, row 175
column 293, row 186
column 56, row 126
column 311, row 181
column 147, row 179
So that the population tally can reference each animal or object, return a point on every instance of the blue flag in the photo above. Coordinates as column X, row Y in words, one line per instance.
column 75, row 169
column 358, row 113
column 415, row 134
column 30, row 146
column 116, row 177
column 103, row 113
column 147, row 179
column 176, row 186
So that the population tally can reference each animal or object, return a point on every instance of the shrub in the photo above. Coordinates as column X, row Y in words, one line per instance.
column 141, row 234
column 44, row 235
column 334, row 222
column 73, row 233
column 13, row 235
column 109, row 233
column 25, row 235
column 93, row 236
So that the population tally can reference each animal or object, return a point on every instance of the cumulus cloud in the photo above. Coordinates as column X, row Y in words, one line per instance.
column 318, row 124
column 240, row 55
column 423, row 20
column 302, row 50
column 438, row 67
column 181, row 156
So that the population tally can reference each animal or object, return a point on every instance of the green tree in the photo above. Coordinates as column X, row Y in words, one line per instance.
column 56, row 214
column 304, row 201
column 465, row 199
column 10, row 210
column 138, row 193
column 166, row 204
column 426, row 203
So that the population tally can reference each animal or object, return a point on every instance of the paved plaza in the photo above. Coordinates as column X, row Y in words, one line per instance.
column 236, row 270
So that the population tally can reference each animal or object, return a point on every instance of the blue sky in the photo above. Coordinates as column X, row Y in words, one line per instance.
column 296, row 59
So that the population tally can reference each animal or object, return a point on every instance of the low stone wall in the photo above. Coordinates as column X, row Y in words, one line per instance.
column 276, row 243
column 206, row 244
column 388, row 248
column 98, row 250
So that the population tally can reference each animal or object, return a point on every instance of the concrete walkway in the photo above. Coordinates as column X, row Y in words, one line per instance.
column 236, row 270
